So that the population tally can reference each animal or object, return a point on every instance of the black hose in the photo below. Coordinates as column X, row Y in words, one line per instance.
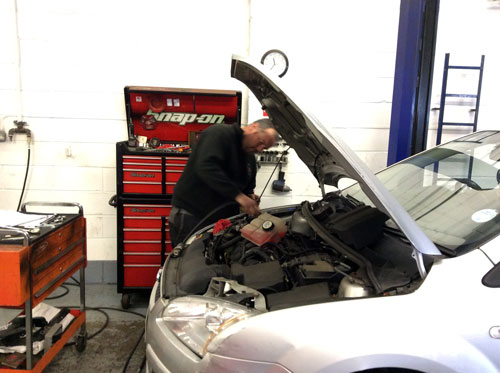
column 133, row 351
column 25, row 178
column 101, row 329
column 232, row 241
column 60, row 295
column 98, row 331
column 143, row 363
column 254, row 251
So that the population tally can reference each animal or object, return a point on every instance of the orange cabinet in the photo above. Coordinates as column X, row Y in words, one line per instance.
column 35, row 262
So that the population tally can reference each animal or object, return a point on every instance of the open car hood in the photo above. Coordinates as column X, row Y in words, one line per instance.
column 326, row 155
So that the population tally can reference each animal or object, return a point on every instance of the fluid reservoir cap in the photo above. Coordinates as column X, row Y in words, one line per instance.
column 267, row 225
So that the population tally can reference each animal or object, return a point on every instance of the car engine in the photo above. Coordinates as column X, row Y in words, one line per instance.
column 333, row 249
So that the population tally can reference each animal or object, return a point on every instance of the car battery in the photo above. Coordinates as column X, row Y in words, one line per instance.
column 163, row 125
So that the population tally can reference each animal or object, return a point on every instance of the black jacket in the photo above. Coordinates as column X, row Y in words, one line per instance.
column 217, row 170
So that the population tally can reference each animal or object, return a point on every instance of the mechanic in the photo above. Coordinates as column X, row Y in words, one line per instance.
column 219, row 178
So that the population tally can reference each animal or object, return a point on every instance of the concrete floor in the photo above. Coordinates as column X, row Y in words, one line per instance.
column 108, row 351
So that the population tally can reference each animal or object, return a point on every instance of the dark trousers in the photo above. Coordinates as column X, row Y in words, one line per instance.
column 181, row 223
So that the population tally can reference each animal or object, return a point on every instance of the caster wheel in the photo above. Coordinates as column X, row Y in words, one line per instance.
column 125, row 301
column 81, row 342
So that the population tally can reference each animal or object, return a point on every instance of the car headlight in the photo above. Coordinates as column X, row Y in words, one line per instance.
column 196, row 320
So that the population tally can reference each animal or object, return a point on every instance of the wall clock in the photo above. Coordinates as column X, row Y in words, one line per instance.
column 276, row 61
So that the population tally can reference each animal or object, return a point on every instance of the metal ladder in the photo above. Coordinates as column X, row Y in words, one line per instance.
column 444, row 95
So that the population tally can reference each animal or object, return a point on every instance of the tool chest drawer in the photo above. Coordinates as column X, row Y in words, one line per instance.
column 141, row 258
column 142, row 222
column 51, row 258
column 56, row 268
column 139, row 275
column 146, row 210
column 56, row 245
column 143, row 173
column 143, row 240
column 175, row 163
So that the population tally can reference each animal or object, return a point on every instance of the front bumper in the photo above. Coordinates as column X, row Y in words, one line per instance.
column 166, row 353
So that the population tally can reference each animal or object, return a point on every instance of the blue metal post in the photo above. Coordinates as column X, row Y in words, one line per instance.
column 412, row 78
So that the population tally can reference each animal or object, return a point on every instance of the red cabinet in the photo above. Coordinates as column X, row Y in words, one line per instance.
column 146, row 173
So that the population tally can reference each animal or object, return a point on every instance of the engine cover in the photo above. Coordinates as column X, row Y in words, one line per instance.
column 260, row 276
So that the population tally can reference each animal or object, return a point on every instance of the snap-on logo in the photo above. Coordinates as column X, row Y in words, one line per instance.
column 135, row 174
column 142, row 210
column 183, row 118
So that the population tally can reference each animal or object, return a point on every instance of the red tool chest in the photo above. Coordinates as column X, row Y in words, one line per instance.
column 163, row 125
column 145, row 240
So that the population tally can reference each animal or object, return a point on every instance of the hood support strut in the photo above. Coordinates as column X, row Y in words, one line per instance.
column 419, row 258
column 341, row 247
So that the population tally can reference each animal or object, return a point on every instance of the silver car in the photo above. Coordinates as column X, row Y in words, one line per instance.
column 398, row 272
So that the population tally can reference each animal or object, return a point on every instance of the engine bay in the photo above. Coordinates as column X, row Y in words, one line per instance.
column 333, row 249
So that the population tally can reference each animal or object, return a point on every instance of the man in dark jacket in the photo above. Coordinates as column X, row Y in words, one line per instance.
column 219, row 178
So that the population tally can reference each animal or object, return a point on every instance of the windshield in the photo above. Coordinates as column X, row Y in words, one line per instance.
column 451, row 191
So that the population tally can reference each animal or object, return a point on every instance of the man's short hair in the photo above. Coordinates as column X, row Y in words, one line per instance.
column 264, row 123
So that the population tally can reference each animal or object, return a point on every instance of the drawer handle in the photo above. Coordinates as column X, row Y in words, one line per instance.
column 62, row 252
column 78, row 263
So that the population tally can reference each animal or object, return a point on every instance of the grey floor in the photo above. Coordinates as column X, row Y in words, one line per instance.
column 109, row 350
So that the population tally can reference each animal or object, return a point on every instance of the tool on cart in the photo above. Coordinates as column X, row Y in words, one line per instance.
column 38, row 254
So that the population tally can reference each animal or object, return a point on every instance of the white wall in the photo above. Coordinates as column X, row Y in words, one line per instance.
column 74, row 58
column 342, row 59
column 467, row 29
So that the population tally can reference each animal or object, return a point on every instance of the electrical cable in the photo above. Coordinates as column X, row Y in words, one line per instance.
column 25, row 178
column 124, row 311
column 98, row 331
column 133, row 351
column 101, row 329
column 61, row 295
column 143, row 363
column 140, row 337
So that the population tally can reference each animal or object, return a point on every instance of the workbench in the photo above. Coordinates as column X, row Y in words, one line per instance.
column 33, row 263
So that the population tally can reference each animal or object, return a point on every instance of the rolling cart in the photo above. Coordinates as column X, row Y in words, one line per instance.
column 35, row 260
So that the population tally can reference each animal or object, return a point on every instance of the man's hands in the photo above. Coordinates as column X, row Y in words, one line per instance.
column 255, row 197
column 249, row 205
